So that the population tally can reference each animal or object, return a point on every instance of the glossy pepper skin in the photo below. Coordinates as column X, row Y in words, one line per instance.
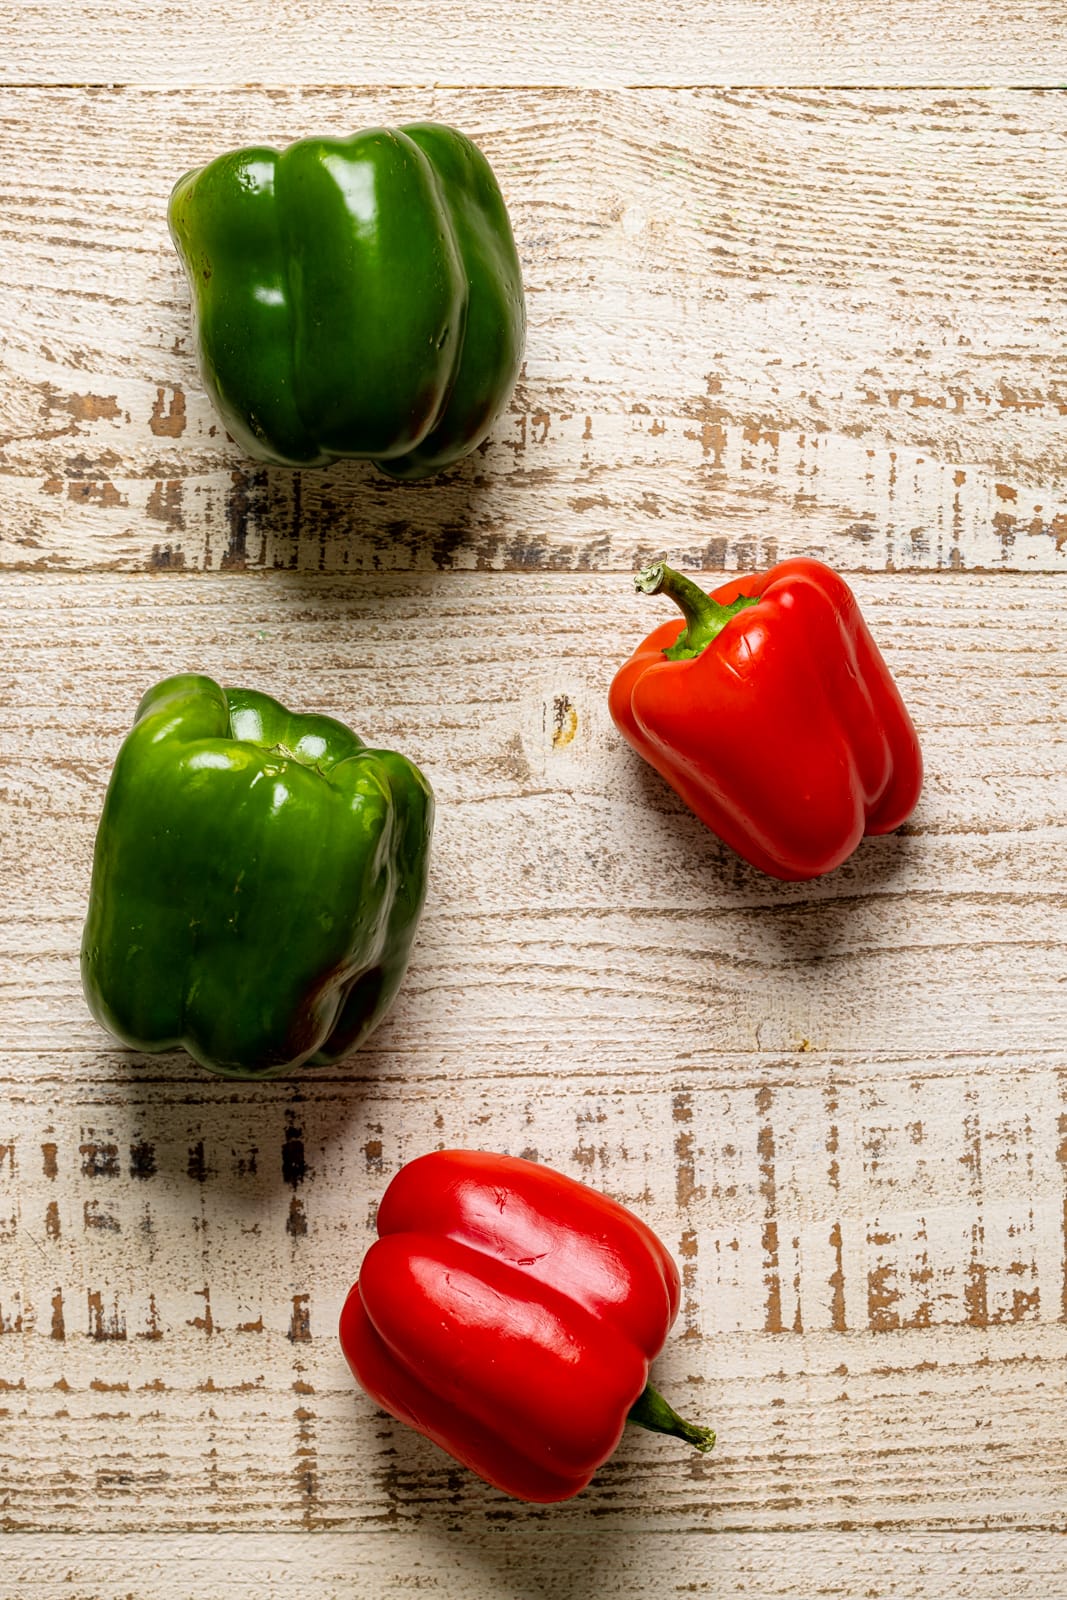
column 770, row 711
column 510, row 1315
column 354, row 297
column 257, row 882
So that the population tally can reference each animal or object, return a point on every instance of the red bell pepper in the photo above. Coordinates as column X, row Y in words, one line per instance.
column 510, row 1314
column 771, row 713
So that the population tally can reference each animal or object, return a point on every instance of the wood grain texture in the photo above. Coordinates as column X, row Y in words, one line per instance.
column 571, row 42
column 759, row 324
column 553, row 839
column 518, row 1562
column 844, row 1105
column 218, row 1398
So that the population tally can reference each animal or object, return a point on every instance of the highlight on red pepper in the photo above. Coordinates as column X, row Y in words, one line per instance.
column 510, row 1314
column 770, row 711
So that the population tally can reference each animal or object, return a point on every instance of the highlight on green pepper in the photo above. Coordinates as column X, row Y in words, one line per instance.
column 354, row 297
column 257, row 882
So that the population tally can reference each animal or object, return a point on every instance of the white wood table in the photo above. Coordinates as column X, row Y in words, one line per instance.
column 765, row 319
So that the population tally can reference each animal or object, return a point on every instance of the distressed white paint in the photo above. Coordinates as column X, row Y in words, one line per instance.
column 570, row 42
column 842, row 1104
column 759, row 324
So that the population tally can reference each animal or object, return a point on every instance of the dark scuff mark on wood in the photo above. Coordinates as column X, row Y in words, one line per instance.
column 197, row 1165
column 305, row 1471
column 296, row 515
column 168, row 417
column 921, row 1276
column 294, row 1166
column 79, row 407
column 372, row 1151
column 95, row 491
column 105, row 1326
column 837, row 1281
column 711, row 435
column 52, row 1225
column 686, row 1188
column 98, row 1160
column 244, row 1166
column 95, row 1217
column 687, row 1191
column 798, row 1321
column 206, row 1322
column 300, row 1320
column 449, row 540
column 688, row 1249
column 296, row 1224
column 11, row 1321
column 247, row 503
column 391, row 1483
column 49, row 1161
column 765, row 1148
column 153, row 1330
column 164, row 503
column 94, row 407
column 587, row 1155
column 833, row 1139
column 59, row 1327
column 166, row 558
column 714, row 554
column 142, row 1160
column 147, row 1229
column 975, row 1286
column 883, row 1295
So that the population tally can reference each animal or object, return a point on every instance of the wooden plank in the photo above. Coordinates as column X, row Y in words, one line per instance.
column 563, row 867
column 873, row 1312
column 759, row 324
column 540, row 1560
column 473, row 42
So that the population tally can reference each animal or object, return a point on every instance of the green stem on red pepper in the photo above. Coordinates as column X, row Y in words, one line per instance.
column 651, row 1411
column 705, row 618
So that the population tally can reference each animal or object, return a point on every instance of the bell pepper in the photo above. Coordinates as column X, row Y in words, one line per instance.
column 510, row 1314
column 770, row 711
column 257, row 881
column 354, row 297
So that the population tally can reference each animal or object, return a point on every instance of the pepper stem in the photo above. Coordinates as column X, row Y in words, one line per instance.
column 705, row 618
column 651, row 1411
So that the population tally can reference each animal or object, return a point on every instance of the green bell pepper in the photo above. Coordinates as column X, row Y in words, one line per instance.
column 354, row 297
column 257, row 882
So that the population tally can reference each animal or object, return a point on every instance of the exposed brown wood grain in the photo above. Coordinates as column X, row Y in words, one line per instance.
column 759, row 324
